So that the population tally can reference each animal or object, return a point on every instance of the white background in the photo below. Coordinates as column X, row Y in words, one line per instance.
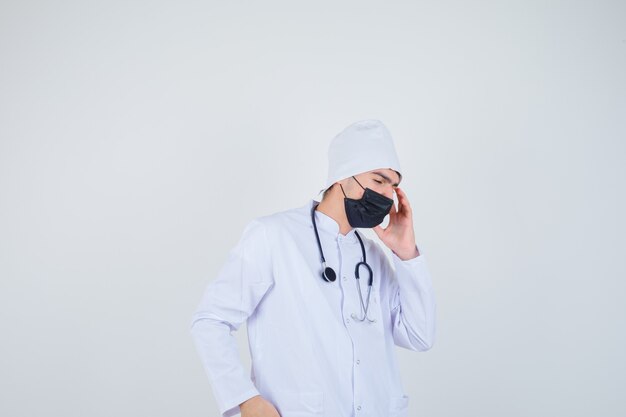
column 138, row 138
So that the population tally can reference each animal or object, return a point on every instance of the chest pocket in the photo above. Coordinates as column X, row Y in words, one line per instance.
column 300, row 404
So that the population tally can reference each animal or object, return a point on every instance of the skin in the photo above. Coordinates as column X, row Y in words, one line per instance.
column 397, row 236
column 258, row 406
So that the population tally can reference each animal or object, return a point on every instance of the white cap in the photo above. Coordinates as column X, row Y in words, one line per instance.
column 363, row 146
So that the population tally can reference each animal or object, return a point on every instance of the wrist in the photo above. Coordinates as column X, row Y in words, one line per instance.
column 410, row 254
column 246, row 402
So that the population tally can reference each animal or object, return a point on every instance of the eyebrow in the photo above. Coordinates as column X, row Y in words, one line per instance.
column 385, row 177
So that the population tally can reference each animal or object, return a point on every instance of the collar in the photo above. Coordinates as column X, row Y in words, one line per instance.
column 326, row 224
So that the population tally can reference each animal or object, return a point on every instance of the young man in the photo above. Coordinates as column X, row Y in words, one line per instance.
column 323, row 304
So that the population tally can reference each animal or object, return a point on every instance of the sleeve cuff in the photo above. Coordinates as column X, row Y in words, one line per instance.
column 415, row 269
column 232, row 407
column 411, row 261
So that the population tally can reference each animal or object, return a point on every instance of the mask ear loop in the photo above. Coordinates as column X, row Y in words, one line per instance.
column 358, row 182
column 344, row 193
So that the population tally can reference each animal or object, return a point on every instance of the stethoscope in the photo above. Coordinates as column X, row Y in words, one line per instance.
column 328, row 274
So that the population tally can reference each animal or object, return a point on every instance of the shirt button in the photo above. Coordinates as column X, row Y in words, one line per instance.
column 358, row 361
column 347, row 320
column 358, row 408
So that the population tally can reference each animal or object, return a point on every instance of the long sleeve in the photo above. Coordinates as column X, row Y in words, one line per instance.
column 411, row 299
column 226, row 303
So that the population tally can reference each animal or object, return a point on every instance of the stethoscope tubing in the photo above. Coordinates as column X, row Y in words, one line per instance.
column 328, row 274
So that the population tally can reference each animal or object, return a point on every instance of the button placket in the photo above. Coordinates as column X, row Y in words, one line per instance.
column 350, row 304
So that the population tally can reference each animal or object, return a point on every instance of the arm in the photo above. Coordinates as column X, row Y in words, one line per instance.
column 408, row 290
column 226, row 303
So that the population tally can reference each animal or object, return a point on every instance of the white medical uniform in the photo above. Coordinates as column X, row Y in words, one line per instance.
column 310, row 357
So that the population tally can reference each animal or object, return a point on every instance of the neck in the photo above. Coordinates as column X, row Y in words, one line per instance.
column 333, row 207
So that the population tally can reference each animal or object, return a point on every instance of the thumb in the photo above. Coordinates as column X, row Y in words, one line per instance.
column 379, row 231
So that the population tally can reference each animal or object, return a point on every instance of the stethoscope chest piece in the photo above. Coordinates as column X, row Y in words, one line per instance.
column 328, row 273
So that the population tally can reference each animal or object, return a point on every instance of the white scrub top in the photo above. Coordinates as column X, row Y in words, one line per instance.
column 310, row 357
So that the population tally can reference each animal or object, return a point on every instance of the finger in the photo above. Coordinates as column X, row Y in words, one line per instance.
column 399, row 204
column 403, row 199
column 392, row 212
column 402, row 195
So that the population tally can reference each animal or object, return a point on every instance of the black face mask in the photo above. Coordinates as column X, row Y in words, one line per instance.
column 368, row 211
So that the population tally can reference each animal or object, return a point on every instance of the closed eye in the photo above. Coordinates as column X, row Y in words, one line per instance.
column 380, row 182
